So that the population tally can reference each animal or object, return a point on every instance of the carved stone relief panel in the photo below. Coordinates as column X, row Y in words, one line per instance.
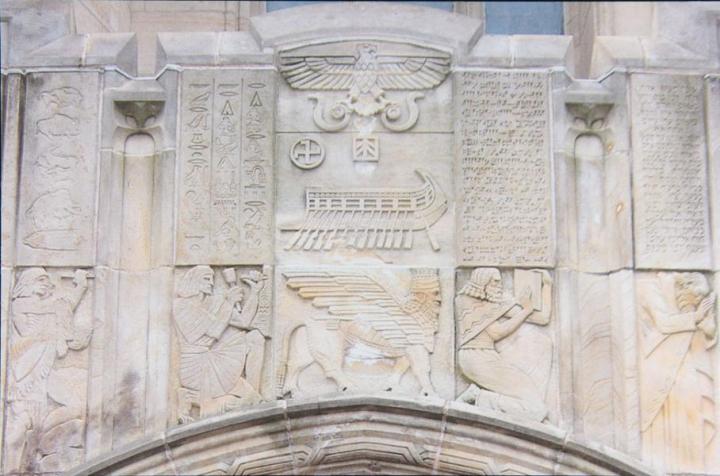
column 505, row 351
column 392, row 213
column 678, row 334
column 712, row 89
column 669, row 172
column 50, row 328
column 364, row 330
column 365, row 110
column 503, row 172
column 57, row 184
column 222, row 322
column 226, row 171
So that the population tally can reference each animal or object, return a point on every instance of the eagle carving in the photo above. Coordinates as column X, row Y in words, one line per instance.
column 366, row 75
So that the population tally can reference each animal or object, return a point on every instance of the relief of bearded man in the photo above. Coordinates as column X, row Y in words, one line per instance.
column 221, row 351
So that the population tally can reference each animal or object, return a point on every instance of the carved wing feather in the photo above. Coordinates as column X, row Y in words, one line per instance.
column 411, row 72
column 333, row 73
column 359, row 298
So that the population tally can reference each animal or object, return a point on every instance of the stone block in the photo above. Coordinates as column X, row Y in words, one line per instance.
column 96, row 49
column 367, row 20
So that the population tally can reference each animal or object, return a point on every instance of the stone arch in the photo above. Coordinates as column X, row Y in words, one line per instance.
column 361, row 434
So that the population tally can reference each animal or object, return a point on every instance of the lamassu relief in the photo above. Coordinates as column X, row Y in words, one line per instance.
column 356, row 238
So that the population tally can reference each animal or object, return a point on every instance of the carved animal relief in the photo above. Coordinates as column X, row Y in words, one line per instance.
column 511, row 379
column 47, row 373
column 222, row 323
column 366, row 71
column 57, row 188
column 356, row 322
column 367, row 218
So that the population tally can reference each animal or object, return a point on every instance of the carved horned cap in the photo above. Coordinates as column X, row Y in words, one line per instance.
column 424, row 281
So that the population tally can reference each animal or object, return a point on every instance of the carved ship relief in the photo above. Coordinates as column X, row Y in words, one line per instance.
column 367, row 218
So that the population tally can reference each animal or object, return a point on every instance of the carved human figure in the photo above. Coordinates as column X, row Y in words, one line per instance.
column 488, row 316
column 678, row 328
column 42, row 395
column 221, row 348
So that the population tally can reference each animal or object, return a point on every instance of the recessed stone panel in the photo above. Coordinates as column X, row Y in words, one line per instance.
column 226, row 173
column 672, row 229
column 503, row 173
column 57, row 182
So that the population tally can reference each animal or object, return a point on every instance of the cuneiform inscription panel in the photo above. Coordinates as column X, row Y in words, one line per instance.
column 504, row 178
column 670, row 184
column 57, row 185
column 225, row 201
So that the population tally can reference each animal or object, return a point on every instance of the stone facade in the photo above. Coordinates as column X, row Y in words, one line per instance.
column 331, row 239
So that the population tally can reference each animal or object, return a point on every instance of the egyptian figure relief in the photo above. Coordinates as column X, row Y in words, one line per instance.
column 222, row 319
column 678, row 332
column 50, row 328
column 507, row 373
column 367, row 330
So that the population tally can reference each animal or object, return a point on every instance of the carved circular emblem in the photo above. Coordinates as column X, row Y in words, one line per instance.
column 307, row 153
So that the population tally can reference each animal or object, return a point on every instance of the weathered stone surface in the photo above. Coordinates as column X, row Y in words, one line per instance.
column 357, row 238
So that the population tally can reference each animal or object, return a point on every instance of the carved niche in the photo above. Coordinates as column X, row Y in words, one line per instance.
column 508, row 369
column 364, row 330
column 50, row 330
column 222, row 325
column 678, row 335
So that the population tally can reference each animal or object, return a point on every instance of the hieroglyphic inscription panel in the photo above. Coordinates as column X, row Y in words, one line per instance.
column 57, row 183
column 505, row 215
column 225, row 183
column 669, row 176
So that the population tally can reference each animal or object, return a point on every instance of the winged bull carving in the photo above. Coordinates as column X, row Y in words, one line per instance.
column 366, row 76
column 354, row 308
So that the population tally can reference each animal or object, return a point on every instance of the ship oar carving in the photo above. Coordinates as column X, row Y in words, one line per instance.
column 367, row 218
